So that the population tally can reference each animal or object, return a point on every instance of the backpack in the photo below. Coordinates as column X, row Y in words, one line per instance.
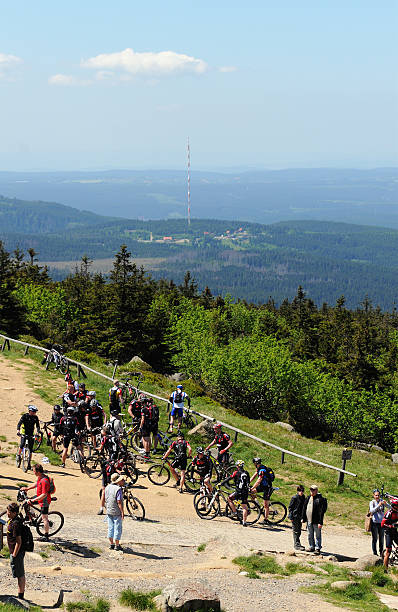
column 113, row 398
column 26, row 538
column 178, row 397
column 52, row 484
column 155, row 414
column 243, row 483
column 270, row 474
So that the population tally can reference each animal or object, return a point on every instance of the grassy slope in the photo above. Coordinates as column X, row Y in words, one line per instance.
column 347, row 504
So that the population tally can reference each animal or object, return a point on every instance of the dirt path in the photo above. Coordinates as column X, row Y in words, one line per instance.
column 158, row 549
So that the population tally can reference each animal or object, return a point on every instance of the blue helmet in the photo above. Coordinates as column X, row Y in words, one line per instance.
column 179, row 387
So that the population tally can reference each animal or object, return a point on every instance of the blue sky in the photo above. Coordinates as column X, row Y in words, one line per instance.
column 100, row 85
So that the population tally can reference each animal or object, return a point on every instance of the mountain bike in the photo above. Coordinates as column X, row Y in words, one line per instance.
column 209, row 506
column 221, row 472
column 134, row 506
column 164, row 440
column 60, row 361
column 34, row 518
column 129, row 391
column 159, row 473
column 277, row 510
column 23, row 460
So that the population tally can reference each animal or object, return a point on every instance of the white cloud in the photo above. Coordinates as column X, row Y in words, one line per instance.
column 147, row 63
column 7, row 63
column 66, row 80
column 227, row 69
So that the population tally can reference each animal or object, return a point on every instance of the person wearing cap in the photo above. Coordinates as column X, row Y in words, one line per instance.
column 295, row 515
column 177, row 400
column 115, row 510
column 314, row 510
column 26, row 429
column 14, row 543
column 376, row 511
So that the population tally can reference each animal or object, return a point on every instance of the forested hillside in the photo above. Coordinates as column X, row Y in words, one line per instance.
column 246, row 260
column 330, row 371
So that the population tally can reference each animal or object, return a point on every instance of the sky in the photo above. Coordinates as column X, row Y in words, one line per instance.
column 98, row 85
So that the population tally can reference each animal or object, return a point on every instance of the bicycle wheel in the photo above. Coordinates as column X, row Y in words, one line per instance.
column 136, row 442
column 26, row 457
column 56, row 520
column 92, row 466
column 192, row 480
column 226, row 473
column 134, row 507
column 277, row 513
column 37, row 442
column 131, row 473
column 254, row 512
column 207, row 507
column 64, row 365
column 159, row 474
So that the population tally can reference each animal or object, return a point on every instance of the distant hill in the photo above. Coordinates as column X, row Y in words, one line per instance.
column 326, row 194
column 250, row 261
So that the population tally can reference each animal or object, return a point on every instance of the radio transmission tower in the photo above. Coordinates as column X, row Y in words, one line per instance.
column 189, row 183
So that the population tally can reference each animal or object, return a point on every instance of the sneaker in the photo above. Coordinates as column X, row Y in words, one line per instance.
column 100, row 511
column 317, row 551
column 244, row 524
column 310, row 549
column 21, row 595
column 63, row 465
column 118, row 547
column 44, row 538
column 29, row 467
column 111, row 547
column 299, row 547
column 180, row 491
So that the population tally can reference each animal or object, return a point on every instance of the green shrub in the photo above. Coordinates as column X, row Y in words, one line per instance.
column 138, row 600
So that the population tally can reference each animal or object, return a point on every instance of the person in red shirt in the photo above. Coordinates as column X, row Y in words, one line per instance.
column 43, row 496
column 389, row 524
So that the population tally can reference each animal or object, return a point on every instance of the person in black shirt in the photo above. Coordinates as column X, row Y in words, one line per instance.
column 69, row 428
column 295, row 515
column 69, row 398
column 203, row 465
column 223, row 443
column 14, row 543
column 25, row 429
column 56, row 420
column 180, row 447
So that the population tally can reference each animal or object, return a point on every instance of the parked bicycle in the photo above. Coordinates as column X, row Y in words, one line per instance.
column 60, row 361
column 129, row 391
column 209, row 506
column 32, row 516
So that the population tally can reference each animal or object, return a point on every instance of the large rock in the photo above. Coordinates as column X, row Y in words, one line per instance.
column 178, row 376
column 285, row 426
column 139, row 364
column 204, row 428
column 44, row 599
column 388, row 600
column 186, row 595
column 394, row 457
column 341, row 585
column 18, row 603
column 367, row 561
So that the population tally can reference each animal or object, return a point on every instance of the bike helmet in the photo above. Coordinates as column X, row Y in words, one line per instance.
column 57, row 407
column 180, row 387
column 239, row 463
column 93, row 402
column 180, row 435
column 217, row 425
column 91, row 394
column 32, row 408
column 256, row 460
column 394, row 502
column 81, row 403
column 200, row 449
column 70, row 409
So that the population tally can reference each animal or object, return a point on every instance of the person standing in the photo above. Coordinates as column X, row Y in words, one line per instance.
column 26, row 429
column 114, row 510
column 14, row 543
column 43, row 497
column 314, row 510
column 177, row 400
column 115, row 398
column 376, row 511
column 296, row 506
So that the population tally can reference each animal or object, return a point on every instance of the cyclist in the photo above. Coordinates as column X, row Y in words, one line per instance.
column 95, row 417
column 43, row 497
column 176, row 401
column 264, row 478
column 70, row 430
column 242, row 488
column 69, row 380
column 115, row 398
column 154, row 424
column 25, row 429
column 55, row 421
column 69, row 397
column 146, row 425
column 223, row 442
column 134, row 411
column 82, row 392
column 180, row 447
column 389, row 524
column 203, row 465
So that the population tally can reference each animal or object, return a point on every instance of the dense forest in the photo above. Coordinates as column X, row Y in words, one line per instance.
column 327, row 259
column 328, row 370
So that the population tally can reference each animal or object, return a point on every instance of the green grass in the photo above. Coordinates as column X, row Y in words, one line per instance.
column 357, row 596
column 3, row 455
column 99, row 605
column 94, row 549
column 138, row 600
column 3, row 438
column 346, row 504
column 5, row 607
column 5, row 553
column 201, row 547
column 43, row 554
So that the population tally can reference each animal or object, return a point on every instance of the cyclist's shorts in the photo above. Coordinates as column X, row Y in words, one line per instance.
column 180, row 463
column 391, row 536
column 23, row 440
column 17, row 565
column 146, row 433
column 44, row 509
column 224, row 458
column 155, row 428
column 56, row 432
column 241, row 495
column 68, row 439
column 266, row 490
column 179, row 412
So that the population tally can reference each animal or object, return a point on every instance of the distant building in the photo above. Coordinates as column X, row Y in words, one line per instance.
column 167, row 237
